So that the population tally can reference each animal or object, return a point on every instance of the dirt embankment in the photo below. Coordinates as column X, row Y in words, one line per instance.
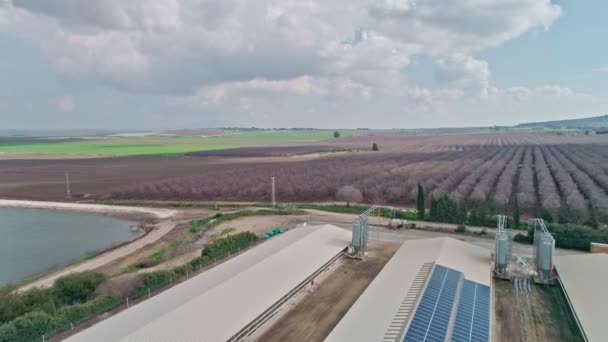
column 120, row 211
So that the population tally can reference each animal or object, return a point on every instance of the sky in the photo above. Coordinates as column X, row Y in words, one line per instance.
column 175, row 64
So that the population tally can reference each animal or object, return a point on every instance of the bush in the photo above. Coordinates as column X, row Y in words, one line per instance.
column 183, row 270
column 121, row 286
column 11, row 307
column 158, row 279
column 29, row 327
column 195, row 225
column 221, row 248
column 76, row 314
column 201, row 261
column 8, row 333
column 521, row 238
column 461, row 228
column 78, row 287
column 577, row 237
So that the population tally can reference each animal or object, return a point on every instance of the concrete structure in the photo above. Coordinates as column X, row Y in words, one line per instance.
column 584, row 280
column 216, row 304
column 384, row 309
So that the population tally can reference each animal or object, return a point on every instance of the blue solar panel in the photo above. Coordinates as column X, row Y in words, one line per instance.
column 473, row 315
column 432, row 317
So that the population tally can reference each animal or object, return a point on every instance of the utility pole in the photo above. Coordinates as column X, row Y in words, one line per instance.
column 67, row 185
column 274, row 203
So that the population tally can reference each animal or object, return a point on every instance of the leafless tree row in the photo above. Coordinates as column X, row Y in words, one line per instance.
column 547, row 190
column 592, row 164
column 458, row 174
column 484, row 188
column 570, row 192
column 574, row 175
column 504, row 187
column 466, row 186
column 526, row 195
column 598, row 200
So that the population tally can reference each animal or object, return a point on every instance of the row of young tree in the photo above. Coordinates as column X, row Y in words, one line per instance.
column 448, row 210
column 567, row 233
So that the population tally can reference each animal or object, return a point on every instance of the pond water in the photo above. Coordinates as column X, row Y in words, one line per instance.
column 33, row 241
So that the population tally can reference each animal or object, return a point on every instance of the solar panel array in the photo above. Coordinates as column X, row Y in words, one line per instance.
column 473, row 315
column 432, row 318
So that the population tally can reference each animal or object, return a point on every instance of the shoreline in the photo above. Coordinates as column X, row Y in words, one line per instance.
column 62, row 266
column 154, row 222
column 134, row 213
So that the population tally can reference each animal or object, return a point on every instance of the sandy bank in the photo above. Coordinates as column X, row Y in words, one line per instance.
column 159, row 213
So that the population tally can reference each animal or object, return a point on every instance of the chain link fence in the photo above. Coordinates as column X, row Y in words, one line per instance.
column 173, row 277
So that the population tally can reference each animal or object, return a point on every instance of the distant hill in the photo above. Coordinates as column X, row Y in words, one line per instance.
column 595, row 123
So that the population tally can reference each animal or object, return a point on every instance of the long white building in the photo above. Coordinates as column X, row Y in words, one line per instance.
column 431, row 290
column 216, row 304
column 584, row 280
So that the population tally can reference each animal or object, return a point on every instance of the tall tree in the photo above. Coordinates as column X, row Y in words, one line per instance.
column 336, row 134
column 349, row 193
column 516, row 213
column 420, row 201
column 462, row 213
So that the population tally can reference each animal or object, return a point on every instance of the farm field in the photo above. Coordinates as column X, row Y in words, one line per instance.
column 549, row 172
column 160, row 145
column 545, row 171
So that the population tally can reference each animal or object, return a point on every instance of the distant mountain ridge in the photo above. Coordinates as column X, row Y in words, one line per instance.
column 595, row 123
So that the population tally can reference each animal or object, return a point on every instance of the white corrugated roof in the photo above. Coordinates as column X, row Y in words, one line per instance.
column 585, row 280
column 216, row 304
column 371, row 315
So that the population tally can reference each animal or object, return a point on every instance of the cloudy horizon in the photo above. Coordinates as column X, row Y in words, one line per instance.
column 175, row 64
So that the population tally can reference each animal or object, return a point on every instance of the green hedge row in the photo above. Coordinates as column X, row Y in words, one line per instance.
column 577, row 237
column 213, row 252
column 219, row 248
column 570, row 236
column 33, row 325
column 72, row 289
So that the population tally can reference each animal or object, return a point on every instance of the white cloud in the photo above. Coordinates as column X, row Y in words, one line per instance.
column 248, row 59
column 178, row 46
column 464, row 71
column 65, row 103
column 462, row 25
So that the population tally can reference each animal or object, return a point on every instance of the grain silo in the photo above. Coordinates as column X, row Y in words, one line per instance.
column 503, row 247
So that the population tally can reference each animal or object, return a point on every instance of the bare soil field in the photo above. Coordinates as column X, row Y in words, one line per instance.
column 273, row 151
column 540, row 316
column 318, row 313
column 258, row 224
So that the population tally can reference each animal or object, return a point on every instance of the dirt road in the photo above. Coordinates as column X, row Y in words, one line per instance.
column 319, row 215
